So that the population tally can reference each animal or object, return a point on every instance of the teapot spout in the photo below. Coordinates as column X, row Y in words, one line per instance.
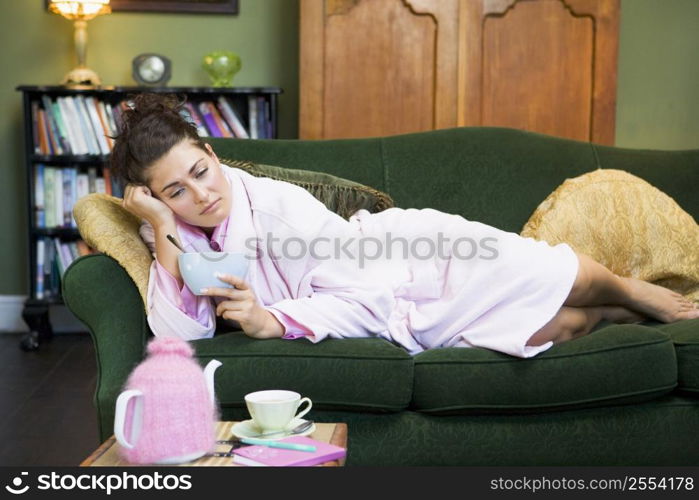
column 209, row 377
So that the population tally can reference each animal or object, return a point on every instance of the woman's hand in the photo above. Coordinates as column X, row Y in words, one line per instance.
column 140, row 201
column 241, row 306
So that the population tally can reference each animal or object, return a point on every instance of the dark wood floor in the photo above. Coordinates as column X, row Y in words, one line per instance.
column 48, row 417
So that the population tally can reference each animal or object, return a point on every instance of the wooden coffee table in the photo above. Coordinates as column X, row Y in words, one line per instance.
column 107, row 455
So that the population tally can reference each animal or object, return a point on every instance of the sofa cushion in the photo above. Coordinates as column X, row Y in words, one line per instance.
column 629, row 226
column 342, row 196
column 367, row 374
column 615, row 364
column 685, row 336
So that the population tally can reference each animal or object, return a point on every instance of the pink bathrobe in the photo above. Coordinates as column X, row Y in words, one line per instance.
column 419, row 278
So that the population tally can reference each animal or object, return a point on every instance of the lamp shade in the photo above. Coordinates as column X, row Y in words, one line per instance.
column 83, row 10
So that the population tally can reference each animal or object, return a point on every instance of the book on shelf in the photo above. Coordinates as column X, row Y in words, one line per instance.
column 56, row 127
column 79, row 124
column 191, row 114
column 211, row 125
column 77, row 141
column 111, row 121
column 39, row 198
column 258, row 455
column 232, row 117
column 53, row 256
column 217, row 119
column 40, row 259
column 35, row 126
column 50, row 203
column 85, row 126
column 82, row 125
column 220, row 122
column 54, row 144
column 57, row 189
column 68, row 189
column 252, row 117
column 92, row 179
column 107, row 175
column 267, row 121
column 98, row 130
column 260, row 117
column 76, row 125
column 61, row 259
column 118, row 112
column 42, row 136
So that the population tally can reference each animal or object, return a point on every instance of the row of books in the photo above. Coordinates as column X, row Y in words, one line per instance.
column 53, row 257
column 85, row 125
column 74, row 125
column 57, row 189
column 220, row 118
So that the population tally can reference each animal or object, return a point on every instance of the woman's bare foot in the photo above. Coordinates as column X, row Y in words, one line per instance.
column 659, row 302
column 619, row 314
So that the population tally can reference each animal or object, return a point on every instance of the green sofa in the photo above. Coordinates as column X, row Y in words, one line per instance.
column 623, row 395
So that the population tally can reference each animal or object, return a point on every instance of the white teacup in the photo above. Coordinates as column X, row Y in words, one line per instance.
column 274, row 410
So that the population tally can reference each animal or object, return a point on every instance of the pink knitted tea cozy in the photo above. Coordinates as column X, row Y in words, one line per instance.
column 178, row 417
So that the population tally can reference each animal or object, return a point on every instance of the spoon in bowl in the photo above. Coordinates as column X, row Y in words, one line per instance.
column 174, row 242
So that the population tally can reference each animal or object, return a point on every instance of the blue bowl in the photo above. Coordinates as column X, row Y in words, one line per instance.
column 198, row 269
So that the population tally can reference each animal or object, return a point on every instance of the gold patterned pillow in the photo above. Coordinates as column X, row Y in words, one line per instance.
column 626, row 224
column 109, row 228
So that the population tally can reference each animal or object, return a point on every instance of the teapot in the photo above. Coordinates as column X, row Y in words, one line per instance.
column 168, row 412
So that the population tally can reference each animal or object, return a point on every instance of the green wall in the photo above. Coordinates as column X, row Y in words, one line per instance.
column 658, row 77
column 656, row 103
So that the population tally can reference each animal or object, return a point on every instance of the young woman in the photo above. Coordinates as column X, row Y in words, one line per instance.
column 312, row 275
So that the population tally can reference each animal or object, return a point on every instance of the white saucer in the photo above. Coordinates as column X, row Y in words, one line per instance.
column 248, row 429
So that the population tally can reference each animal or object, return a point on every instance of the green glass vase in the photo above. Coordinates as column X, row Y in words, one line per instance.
column 221, row 66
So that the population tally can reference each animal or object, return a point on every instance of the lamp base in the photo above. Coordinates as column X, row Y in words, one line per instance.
column 81, row 77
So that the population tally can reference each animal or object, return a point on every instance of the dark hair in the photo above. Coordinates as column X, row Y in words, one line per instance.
column 149, row 128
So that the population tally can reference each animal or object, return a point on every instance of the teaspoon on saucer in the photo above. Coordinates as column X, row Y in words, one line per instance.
column 302, row 427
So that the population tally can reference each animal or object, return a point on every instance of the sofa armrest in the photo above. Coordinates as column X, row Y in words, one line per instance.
column 102, row 295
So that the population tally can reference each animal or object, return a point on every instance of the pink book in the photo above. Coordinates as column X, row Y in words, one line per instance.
column 278, row 457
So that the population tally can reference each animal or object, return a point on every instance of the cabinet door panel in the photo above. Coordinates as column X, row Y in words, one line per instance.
column 383, row 67
column 546, row 66
column 537, row 70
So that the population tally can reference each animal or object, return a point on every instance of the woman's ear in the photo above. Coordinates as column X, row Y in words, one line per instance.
column 211, row 152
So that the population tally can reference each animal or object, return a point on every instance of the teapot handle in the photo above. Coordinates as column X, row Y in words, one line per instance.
column 120, row 417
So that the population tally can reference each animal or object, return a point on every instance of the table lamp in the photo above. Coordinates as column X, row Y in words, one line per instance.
column 80, row 11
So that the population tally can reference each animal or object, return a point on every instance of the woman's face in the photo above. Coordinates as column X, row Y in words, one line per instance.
column 192, row 184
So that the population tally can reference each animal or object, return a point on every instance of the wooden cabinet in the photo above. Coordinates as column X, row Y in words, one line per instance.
column 384, row 67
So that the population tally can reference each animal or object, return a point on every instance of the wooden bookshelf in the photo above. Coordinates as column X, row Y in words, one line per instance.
column 63, row 147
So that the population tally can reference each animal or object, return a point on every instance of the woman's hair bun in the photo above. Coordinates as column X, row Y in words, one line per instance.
column 147, row 103
column 143, row 105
